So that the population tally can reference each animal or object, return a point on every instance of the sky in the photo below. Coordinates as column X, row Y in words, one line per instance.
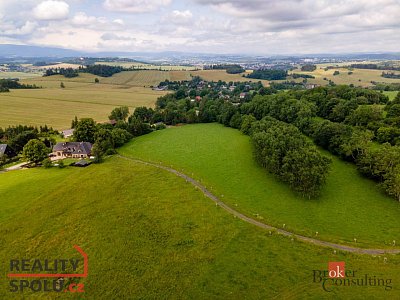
column 261, row 27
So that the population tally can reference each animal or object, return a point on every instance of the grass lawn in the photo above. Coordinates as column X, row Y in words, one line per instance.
column 350, row 206
column 391, row 94
column 81, row 97
column 148, row 234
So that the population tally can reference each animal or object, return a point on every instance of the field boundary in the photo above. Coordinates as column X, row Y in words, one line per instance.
column 249, row 220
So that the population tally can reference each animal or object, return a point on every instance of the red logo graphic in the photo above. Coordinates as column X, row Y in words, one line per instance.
column 336, row 269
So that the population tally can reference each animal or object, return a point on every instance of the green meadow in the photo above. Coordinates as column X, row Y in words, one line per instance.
column 350, row 206
column 150, row 235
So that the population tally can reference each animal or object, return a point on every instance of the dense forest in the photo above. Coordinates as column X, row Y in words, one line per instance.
column 268, row 74
column 66, row 72
column 99, row 70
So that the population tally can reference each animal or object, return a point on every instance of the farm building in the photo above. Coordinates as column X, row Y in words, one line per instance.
column 243, row 95
column 6, row 150
column 68, row 133
column 311, row 86
column 71, row 150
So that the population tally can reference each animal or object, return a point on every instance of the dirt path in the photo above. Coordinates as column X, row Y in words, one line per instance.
column 262, row 225
column 15, row 167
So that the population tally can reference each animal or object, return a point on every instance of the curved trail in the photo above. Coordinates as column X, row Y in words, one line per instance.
column 247, row 219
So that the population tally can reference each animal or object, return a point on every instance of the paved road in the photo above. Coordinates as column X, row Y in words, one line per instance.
column 262, row 225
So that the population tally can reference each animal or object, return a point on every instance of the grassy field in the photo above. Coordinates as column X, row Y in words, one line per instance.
column 350, row 206
column 391, row 94
column 20, row 75
column 81, row 97
column 149, row 234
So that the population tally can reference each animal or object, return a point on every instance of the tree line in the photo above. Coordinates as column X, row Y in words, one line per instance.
column 99, row 70
column 7, row 84
column 390, row 75
column 230, row 68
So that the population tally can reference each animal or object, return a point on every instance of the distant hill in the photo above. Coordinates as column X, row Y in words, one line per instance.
column 8, row 50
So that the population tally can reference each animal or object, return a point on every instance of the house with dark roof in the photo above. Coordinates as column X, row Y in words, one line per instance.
column 71, row 150
column 6, row 150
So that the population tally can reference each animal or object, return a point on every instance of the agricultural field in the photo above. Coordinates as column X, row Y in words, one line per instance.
column 351, row 210
column 20, row 75
column 149, row 233
column 60, row 65
column 215, row 75
column 81, row 97
column 143, row 78
column 359, row 77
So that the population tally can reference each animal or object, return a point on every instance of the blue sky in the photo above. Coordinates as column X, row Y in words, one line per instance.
column 263, row 27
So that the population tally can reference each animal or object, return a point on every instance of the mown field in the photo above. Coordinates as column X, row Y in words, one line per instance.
column 149, row 235
column 215, row 75
column 20, row 75
column 350, row 207
column 81, row 97
column 359, row 77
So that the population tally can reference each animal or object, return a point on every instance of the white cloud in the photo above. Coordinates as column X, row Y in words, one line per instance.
column 135, row 6
column 81, row 19
column 110, row 36
column 179, row 17
column 51, row 10
column 224, row 26
column 119, row 21
column 8, row 29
